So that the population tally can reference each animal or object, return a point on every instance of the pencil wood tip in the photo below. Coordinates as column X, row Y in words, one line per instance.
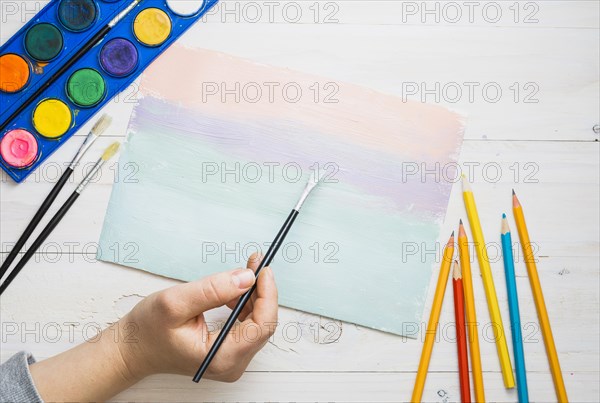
column 515, row 200
column 456, row 272
column 505, row 228
column 461, row 230
column 450, row 243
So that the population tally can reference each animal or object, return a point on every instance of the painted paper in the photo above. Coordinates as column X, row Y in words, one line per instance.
column 219, row 149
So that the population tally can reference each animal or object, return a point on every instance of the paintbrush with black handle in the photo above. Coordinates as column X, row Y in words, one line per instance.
column 98, row 128
column 312, row 183
column 108, row 154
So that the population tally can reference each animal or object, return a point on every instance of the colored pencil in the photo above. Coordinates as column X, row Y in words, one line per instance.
column 271, row 252
column 108, row 154
column 513, row 305
column 434, row 318
column 538, row 298
column 472, row 329
column 488, row 284
column 99, row 127
column 461, row 337
column 96, row 39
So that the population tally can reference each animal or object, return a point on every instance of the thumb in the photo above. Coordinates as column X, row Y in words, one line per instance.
column 191, row 299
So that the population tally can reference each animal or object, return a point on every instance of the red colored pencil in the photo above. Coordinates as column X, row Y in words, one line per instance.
column 461, row 335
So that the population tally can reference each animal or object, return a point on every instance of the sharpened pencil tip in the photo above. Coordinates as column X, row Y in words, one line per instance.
column 461, row 230
column 515, row 200
column 456, row 272
column 505, row 228
column 450, row 243
column 460, row 222
column 513, row 192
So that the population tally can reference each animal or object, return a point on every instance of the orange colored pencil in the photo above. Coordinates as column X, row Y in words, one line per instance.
column 538, row 298
column 473, row 332
column 434, row 318
column 461, row 337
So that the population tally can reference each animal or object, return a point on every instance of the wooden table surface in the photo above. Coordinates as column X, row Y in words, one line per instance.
column 525, row 74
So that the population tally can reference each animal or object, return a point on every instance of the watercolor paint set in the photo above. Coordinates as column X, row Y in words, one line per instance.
column 71, row 59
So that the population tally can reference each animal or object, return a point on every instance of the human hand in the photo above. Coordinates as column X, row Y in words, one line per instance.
column 172, row 336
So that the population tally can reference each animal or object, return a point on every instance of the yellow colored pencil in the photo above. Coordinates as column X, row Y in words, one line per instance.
column 434, row 318
column 488, row 284
column 465, row 262
column 538, row 298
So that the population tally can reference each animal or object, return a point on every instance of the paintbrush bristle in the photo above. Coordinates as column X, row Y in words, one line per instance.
column 101, row 125
column 110, row 151
column 313, row 181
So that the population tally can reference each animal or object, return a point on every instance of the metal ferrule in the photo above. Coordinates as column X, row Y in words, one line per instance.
column 90, row 175
column 309, row 187
column 123, row 13
column 89, row 140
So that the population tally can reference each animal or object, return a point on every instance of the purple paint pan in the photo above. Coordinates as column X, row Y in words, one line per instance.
column 119, row 57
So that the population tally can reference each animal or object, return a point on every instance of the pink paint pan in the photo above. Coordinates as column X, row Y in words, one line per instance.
column 19, row 148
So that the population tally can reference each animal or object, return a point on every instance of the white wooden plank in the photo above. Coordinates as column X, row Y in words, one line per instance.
column 357, row 387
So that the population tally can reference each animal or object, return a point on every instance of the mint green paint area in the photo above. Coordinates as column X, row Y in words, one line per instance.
column 350, row 256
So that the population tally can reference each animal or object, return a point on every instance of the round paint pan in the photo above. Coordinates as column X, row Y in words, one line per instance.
column 86, row 87
column 118, row 57
column 15, row 72
column 43, row 42
column 185, row 8
column 152, row 26
column 77, row 15
column 19, row 148
column 52, row 118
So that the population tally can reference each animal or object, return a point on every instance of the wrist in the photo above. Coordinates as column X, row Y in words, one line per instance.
column 127, row 352
column 95, row 370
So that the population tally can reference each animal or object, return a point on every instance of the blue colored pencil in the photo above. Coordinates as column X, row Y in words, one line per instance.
column 513, row 305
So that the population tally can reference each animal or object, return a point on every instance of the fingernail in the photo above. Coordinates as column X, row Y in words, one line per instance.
column 270, row 272
column 255, row 258
column 243, row 278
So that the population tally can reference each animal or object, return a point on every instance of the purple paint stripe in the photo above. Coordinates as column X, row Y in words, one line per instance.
column 372, row 171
